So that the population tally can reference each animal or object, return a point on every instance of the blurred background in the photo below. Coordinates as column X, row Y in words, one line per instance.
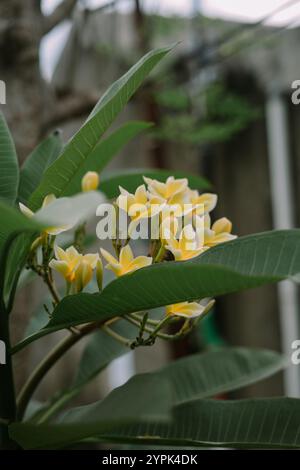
column 222, row 108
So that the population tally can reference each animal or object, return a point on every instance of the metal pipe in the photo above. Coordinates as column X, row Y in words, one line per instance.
column 283, row 218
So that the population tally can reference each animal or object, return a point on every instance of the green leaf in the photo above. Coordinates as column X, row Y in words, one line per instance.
column 197, row 376
column 144, row 395
column 36, row 163
column 244, row 263
column 256, row 423
column 97, row 355
column 100, row 351
column 15, row 229
column 191, row 378
column 104, row 152
column 83, row 144
column 9, row 168
column 215, row 372
column 130, row 180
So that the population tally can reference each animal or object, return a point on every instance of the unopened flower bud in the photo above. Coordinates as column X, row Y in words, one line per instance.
column 90, row 181
column 36, row 243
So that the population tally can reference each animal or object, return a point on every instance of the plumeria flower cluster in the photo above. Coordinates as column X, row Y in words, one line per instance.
column 197, row 235
column 185, row 230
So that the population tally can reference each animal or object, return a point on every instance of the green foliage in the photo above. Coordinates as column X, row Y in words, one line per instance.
column 247, row 262
column 16, row 227
column 103, row 154
column 36, row 163
column 83, row 147
column 147, row 396
column 224, row 114
column 169, row 406
column 9, row 169
column 244, row 424
column 178, row 384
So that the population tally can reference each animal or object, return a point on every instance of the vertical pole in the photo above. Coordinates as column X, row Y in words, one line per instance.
column 283, row 218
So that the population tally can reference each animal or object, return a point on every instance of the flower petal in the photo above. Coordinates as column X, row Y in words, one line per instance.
column 108, row 257
column 126, row 256
column 60, row 254
column 25, row 210
column 139, row 262
column 48, row 200
column 91, row 259
column 60, row 266
column 222, row 225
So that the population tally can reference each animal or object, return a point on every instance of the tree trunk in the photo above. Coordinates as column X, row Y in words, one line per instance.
column 27, row 94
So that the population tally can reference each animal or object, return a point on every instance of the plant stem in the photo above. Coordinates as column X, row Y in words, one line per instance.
column 57, row 405
column 139, row 318
column 41, row 370
column 125, row 341
column 137, row 322
column 51, row 287
column 160, row 255
column 7, row 389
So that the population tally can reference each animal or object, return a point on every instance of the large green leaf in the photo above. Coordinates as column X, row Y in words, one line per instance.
column 191, row 378
column 197, row 376
column 145, row 395
column 100, row 351
column 36, row 163
column 244, row 263
column 9, row 168
column 214, row 372
column 104, row 152
column 83, row 144
column 130, row 180
column 255, row 423
column 97, row 355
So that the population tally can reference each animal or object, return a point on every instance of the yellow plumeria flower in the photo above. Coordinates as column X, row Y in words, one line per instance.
column 90, row 181
column 66, row 262
column 168, row 227
column 74, row 266
column 204, row 203
column 84, row 270
column 188, row 246
column 49, row 230
column 83, row 275
column 139, row 205
column 126, row 262
column 190, row 309
column 172, row 191
column 220, row 231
